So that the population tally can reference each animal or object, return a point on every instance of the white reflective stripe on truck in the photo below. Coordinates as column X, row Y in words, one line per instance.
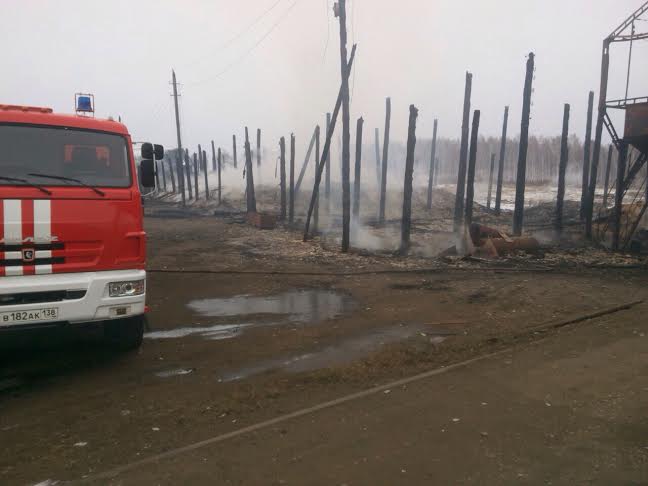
column 12, row 224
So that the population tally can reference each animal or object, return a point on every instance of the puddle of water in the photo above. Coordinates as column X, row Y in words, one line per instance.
column 298, row 306
column 176, row 372
column 344, row 353
column 215, row 333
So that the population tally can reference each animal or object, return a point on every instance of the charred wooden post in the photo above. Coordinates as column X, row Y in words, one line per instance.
column 234, row 151
column 562, row 169
column 385, row 156
column 157, row 173
column 596, row 152
column 618, row 197
column 214, row 167
column 346, row 129
column 251, row 199
column 500, row 167
column 490, row 182
column 282, row 177
column 377, row 147
column 327, row 148
column 258, row 146
column 472, row 162
column 181, row 183
column 172, row 176
column 586, row 154
column 317, row 161
column 204, row 166
column 520, row 186
column 432, row 163
column 463, row 156
column 309, row 152
column 188, row 171
column 291, row 200
column 327, row 180
column 607, row 177
column 358, row 170
column 164, row 184
column 220, row 184
column 199, row 158
column 195, row 173
column 406, row 221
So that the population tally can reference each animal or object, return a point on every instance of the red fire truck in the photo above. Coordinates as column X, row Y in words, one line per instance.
column 72, row 244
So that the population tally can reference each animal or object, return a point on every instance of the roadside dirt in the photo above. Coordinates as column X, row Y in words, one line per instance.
column 293, row 324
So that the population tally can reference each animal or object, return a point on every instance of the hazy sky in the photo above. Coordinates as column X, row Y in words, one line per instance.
column 281, row 71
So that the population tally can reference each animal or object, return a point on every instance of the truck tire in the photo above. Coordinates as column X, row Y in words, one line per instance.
column 125, row 334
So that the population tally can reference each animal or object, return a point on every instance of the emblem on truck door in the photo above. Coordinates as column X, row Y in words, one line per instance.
column 28, row 255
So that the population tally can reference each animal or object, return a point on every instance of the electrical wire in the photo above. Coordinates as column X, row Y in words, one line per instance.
column 250, row 50
column 235, row 37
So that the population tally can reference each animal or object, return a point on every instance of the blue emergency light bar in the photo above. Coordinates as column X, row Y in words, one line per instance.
column 84, row 103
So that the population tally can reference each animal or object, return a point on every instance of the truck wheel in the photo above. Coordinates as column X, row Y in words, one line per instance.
column 125, row 334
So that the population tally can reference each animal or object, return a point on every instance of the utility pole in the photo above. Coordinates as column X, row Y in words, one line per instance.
column 177, row 120
column 385, row 155
column 586, row 154
column 432, row 160
column 564, row 156
column 463, row 156
column 346, row 135
column 500, row 168
column 518, row 214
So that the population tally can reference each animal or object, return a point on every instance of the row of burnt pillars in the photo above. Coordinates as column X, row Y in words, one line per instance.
column 184, row 171
column 467, row 160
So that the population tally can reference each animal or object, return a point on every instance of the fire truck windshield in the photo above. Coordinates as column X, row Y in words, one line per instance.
column 71, row 157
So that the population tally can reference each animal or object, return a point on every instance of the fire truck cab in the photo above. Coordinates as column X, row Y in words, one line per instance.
column 72, row 243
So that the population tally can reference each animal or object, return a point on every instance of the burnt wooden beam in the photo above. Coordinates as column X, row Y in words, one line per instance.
column 385, row 159
column 472, row 162
column 463, row 156
column 432, row 164
column 406, row 221
column 520, row 185
column 562, row 169
column 500, row 167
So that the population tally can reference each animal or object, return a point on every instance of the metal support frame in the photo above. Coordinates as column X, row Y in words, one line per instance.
column 620, row 34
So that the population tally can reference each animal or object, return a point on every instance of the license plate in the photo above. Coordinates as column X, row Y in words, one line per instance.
column 27, row 316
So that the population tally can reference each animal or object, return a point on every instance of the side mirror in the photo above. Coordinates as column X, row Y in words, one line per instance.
column 159, row 152
column 147, row 172
column 147, row 151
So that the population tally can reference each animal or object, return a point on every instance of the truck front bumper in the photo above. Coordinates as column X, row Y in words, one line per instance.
column 78, row 297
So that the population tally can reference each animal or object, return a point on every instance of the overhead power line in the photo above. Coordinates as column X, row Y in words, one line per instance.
column 235, row 37
column 238, row 60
